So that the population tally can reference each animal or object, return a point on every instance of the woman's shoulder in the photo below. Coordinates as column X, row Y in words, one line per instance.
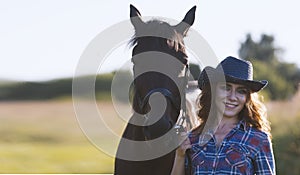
column 257, row 132
column 199, row 136
column 257, row 137
column 252, row 131
column 195, row 132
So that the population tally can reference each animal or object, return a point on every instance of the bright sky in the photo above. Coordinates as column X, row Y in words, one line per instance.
column 44, row 39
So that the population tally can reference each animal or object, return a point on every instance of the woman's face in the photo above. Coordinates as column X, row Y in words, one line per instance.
column 230, row 98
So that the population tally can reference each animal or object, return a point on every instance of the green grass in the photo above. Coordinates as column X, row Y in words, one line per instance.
column 44, row 137
column 285, row 123
column 53, row 158
column 286, row 145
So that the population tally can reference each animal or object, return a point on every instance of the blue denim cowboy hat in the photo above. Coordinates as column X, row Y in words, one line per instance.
column 232, row 70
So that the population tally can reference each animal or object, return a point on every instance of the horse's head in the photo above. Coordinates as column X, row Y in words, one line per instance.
column 160, row 63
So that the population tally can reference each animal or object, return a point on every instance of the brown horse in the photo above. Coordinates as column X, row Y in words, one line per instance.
column 160, row 66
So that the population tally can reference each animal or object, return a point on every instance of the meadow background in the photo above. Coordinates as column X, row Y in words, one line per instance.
column 39, row 132
column 43, row 40
column 43, row 136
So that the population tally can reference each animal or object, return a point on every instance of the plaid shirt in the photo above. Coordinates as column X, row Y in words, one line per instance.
column 245, row 150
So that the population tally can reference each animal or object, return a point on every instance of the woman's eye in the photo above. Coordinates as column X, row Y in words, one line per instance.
column 225, row 87
column 242, row 91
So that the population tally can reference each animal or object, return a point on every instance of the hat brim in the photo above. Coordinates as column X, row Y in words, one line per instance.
column 210, row 74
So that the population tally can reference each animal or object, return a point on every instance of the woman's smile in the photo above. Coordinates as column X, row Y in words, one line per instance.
column 230, row 98
column 230, row 105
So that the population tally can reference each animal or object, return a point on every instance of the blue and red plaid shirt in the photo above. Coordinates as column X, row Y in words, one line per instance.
column 245, row 150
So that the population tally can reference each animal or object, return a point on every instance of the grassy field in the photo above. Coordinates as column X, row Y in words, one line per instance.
column 45, row 137
column 285, row 118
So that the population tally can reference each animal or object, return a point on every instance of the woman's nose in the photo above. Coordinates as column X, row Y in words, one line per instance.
column 231, row 94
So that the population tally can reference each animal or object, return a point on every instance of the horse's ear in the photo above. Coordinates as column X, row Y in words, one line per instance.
column 135, row 17
column 187, row 22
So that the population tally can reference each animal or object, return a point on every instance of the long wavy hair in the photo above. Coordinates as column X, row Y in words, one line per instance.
column 254, row 112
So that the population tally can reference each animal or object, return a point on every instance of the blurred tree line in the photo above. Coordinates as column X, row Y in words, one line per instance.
column 283, row 77
column 48, row 90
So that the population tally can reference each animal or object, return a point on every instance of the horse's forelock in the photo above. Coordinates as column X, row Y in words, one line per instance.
column 167, row 34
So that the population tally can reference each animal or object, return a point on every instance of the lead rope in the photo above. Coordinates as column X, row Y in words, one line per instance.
column 179, row 124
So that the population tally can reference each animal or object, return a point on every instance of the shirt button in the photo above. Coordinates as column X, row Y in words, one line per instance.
column 204, row 148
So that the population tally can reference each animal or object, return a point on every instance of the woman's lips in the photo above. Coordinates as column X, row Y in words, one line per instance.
column 230, row 105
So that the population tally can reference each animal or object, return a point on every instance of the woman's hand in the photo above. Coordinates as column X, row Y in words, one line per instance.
column 186, row 144
column 178, row 167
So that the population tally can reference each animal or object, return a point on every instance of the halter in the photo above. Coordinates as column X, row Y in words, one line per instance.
column 174, row 100
column 163, row 91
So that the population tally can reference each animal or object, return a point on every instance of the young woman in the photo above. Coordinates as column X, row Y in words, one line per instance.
column 234, row 134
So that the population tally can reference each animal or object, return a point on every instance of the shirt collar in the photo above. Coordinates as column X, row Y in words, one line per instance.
column 242, row 125
column 205, row 137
